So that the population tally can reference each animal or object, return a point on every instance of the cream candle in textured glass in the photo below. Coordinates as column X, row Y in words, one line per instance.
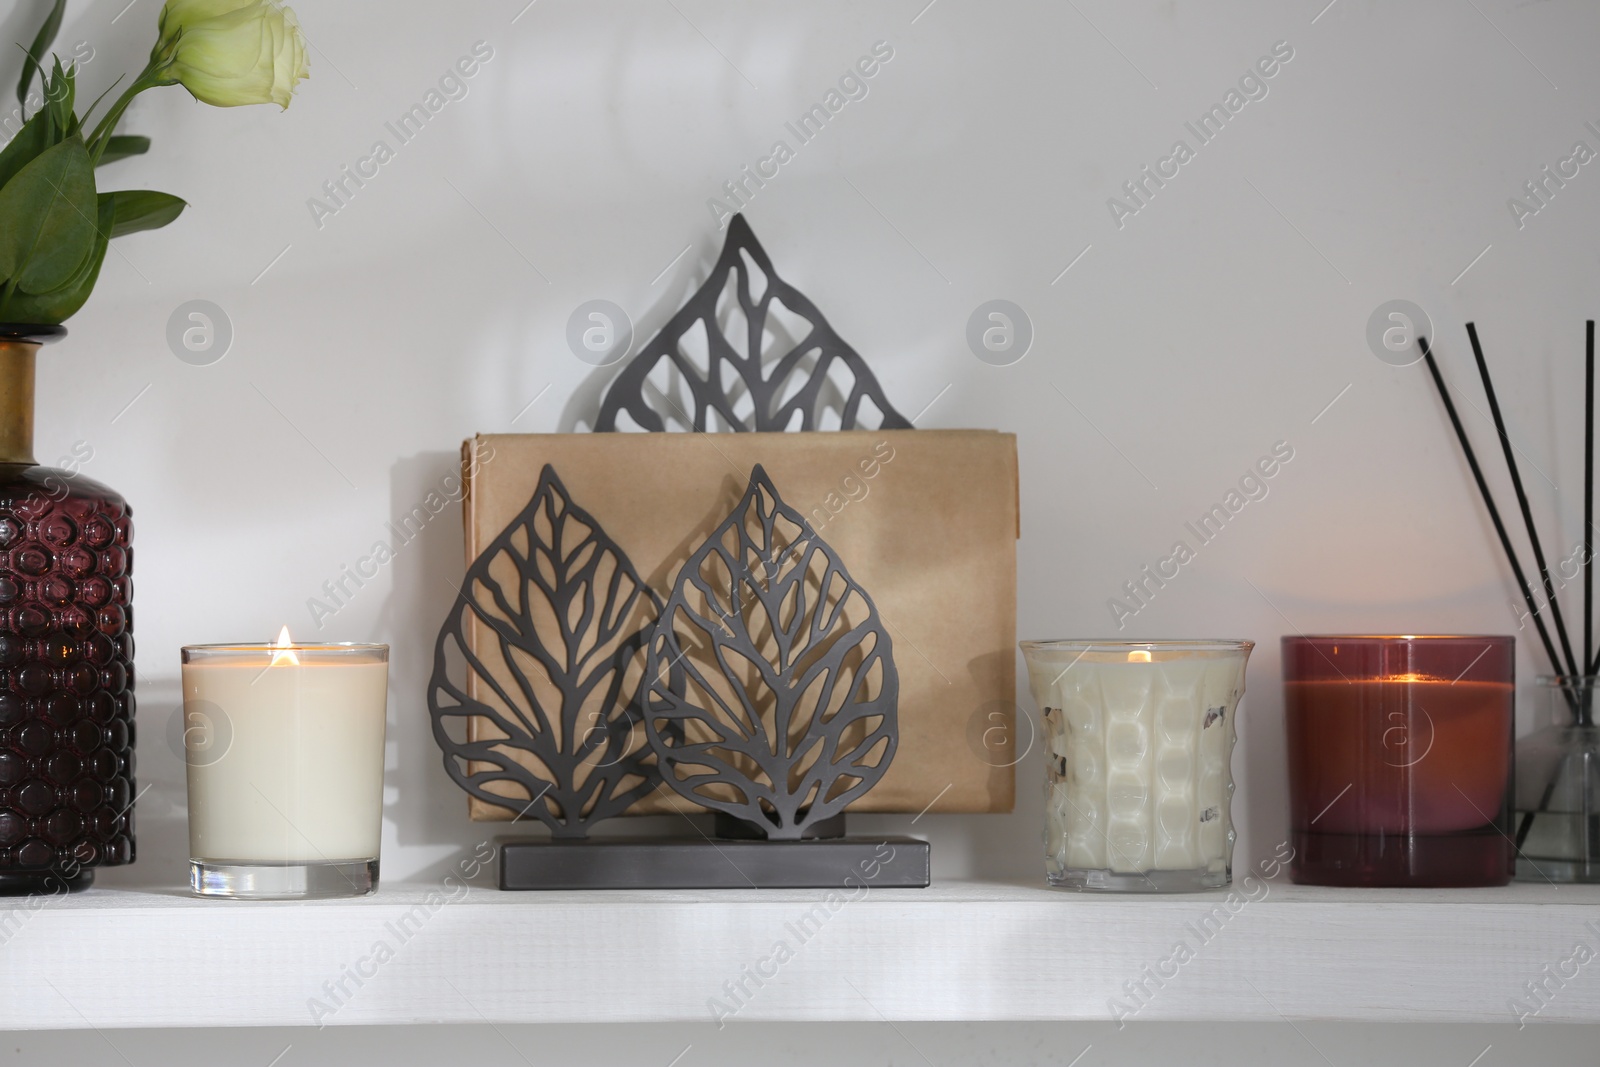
column 1138, row 740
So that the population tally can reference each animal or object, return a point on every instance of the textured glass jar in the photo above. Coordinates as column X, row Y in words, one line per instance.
column 1139, row 736
column 66, row 655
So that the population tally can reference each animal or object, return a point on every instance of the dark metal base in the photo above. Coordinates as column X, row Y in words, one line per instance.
column 728, row 827
column 681, row 863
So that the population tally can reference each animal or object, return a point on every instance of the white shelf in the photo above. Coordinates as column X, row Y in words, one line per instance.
column 128, row 958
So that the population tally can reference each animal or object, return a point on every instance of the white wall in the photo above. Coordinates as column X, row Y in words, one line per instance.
column 1223, row 317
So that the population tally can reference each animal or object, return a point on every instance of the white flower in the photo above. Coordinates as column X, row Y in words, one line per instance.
column 232, row 52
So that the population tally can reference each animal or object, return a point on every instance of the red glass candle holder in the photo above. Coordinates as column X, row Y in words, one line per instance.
column 1400, row 755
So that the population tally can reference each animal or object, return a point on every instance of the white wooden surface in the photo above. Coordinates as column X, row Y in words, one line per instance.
column 958, row 951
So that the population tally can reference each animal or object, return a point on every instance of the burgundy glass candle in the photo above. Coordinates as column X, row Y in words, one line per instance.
column 1400, row 759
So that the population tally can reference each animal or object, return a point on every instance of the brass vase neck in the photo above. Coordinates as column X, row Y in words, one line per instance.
column 16, row 401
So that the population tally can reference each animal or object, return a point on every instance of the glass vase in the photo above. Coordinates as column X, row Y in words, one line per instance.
column 66, row 655
column 1558, row 785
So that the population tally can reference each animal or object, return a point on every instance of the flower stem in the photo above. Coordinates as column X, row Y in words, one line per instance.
column 148, row 78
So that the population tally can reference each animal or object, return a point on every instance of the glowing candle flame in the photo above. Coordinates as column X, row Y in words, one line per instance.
column 1138, row 655
column 286, row 655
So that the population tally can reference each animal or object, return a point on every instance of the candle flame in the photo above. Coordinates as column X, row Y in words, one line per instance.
column 286, row 645
column 1138, row 655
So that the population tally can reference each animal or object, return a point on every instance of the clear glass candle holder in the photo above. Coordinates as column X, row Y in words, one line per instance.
column 1400, row 759
column 1558, row 785
column 284, row 746
column 1139, row 735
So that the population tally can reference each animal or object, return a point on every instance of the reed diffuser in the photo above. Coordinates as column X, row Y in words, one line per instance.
column 1558, row 767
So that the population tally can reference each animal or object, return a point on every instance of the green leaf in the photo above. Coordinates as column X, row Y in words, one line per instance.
column 41, row 42
column 84, row 118
column 60, row 96
column 47, row 219
column 122, row 146
column 141, row 209
column 26, row 146
column 58, row 305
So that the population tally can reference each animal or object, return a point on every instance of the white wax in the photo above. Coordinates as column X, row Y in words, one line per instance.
column 301, row 780
column 1138, row 780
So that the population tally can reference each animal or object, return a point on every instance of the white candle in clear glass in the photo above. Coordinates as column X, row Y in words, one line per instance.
column 1139, row 737
column 285, row 754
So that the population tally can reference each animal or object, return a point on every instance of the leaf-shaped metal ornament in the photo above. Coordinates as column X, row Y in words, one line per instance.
column 788, row 711
column 747, row 351
column 544, row 651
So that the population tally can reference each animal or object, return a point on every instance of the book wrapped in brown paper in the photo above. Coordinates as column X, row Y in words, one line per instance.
column 925, row 520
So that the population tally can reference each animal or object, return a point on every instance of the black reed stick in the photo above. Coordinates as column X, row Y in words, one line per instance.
column 1522, row 502
column 1488, row 503
column 1588, row 505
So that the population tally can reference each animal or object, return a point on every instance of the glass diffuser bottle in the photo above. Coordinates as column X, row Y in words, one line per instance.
column 66, row 654
column 1558, row 786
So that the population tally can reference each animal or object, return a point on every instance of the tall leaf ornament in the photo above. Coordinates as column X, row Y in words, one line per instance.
column 745, row 379
column 788, row 709
column 551, row 626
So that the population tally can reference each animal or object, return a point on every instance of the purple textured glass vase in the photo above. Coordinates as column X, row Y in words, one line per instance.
column 66, row 655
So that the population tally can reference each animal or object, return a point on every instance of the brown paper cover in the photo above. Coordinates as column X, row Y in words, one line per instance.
column 925, row 520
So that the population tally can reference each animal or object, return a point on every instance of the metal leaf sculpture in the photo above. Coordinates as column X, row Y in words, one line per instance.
column 554, row 669
column 789, row 708
column 743, row 377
